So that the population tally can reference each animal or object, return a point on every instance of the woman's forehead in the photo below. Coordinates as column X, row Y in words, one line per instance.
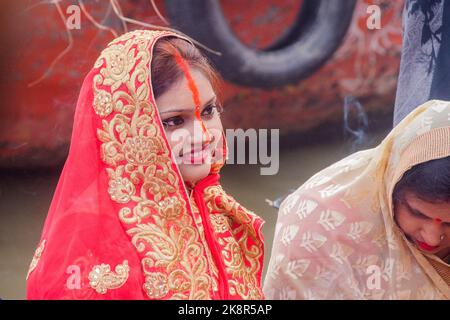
column 433, row 210
column 179, row 95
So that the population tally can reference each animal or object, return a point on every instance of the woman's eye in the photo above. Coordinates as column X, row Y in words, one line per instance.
column 208, row 111
column 173, row 122
column 418, row 215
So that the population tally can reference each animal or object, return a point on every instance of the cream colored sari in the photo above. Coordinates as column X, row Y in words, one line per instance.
column 336, row 237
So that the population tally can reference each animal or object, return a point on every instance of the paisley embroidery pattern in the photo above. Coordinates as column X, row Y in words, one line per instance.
column 102, row 279
column 156, row 285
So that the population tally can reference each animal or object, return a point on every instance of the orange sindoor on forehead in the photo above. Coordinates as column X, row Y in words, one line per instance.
column 193, row 88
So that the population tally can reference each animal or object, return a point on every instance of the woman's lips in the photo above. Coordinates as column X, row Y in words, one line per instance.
column 426, row 246
column 197, row 156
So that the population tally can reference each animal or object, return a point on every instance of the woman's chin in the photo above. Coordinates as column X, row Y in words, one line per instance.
column 193, row 173
column 424, row 247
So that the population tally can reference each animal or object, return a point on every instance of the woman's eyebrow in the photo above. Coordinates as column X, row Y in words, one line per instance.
column 411, row 209
column 176, row 110
column 189, row 109
column 210, row 101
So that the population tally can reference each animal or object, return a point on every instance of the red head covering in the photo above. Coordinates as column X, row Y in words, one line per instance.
column 121, row 224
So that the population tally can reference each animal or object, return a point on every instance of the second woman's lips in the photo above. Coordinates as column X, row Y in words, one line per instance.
column 426, row 246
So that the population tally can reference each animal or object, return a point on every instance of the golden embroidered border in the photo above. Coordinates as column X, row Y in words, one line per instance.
column 141, row 178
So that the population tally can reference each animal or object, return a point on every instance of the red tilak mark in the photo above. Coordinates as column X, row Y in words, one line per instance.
column 194, row 90
column 438, row 221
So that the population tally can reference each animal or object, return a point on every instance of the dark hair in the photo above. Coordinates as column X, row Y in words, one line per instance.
column 165, row 71
column 429, row 181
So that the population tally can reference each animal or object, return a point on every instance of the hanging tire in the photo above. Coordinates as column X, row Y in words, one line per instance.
column 316, row 33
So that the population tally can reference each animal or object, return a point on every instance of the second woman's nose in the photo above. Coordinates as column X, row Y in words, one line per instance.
column 431, row 233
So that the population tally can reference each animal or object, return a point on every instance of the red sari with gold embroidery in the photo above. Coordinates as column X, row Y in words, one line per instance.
column 121, row 224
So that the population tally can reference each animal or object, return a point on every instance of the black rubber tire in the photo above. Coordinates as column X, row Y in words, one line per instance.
column 316, row 34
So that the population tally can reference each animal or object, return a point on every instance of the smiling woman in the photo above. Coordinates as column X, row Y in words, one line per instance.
column 193, row 138
column 128, row 219
column 186, row 88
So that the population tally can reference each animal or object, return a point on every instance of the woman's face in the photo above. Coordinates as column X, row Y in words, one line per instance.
column 426, row 224
column 192, row 139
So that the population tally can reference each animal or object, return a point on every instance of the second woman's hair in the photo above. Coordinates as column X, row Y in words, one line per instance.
column 429, row 181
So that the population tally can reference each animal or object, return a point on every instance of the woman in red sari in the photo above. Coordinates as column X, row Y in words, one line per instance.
column 139, row 212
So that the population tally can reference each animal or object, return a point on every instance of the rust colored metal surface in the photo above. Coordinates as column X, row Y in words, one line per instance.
column 365, row 66
column 36, row 120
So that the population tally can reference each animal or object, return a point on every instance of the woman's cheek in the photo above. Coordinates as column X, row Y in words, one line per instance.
column 407, row 223
column 176, row 141
column 399, row 215
column 216, row 129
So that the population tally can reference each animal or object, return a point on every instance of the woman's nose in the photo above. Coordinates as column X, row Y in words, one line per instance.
column 200, row 133
column 432, row 233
